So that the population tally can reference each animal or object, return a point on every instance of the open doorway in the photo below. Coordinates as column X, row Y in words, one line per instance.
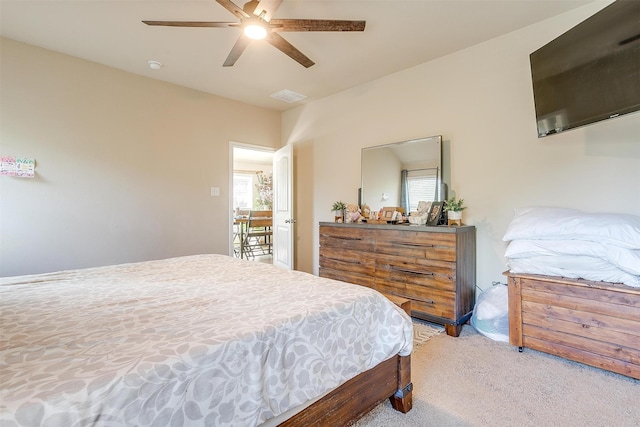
column 252, row 202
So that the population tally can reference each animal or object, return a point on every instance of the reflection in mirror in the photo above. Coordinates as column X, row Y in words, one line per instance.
column 402, row 174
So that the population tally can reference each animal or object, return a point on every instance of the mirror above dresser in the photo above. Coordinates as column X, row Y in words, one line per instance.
column 413, row 166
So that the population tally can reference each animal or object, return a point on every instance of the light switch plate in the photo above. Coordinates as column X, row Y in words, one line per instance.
column 215, row 191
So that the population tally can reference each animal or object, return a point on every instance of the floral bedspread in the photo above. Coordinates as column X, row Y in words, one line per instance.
column 198, row 340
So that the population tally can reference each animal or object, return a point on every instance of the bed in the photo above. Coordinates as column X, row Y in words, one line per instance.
column 198, row 340
column 574, row 286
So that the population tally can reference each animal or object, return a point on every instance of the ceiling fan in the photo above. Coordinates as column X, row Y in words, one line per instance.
column 255, row 20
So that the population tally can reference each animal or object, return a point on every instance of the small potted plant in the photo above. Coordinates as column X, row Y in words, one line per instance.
column 339, row 208
column 454, row 208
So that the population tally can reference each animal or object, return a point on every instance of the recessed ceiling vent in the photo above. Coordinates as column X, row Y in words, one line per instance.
column 289, row 96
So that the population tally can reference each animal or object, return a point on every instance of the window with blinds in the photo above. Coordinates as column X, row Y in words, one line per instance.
column 421, row 186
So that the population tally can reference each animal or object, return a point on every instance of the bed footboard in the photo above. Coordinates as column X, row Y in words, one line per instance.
column 595, row 323
column 349, row 402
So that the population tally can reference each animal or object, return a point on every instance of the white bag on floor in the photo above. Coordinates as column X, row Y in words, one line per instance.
column 491, row 314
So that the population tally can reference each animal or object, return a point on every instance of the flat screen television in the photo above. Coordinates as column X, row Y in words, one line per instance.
column 591, row 72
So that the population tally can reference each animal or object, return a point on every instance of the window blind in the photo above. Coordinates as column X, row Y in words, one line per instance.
column 421, row 186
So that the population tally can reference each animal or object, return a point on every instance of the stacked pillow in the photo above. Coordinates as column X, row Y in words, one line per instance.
column 570, row 243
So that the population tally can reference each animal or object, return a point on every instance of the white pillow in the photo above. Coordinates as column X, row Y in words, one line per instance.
column 625, row 259
column 575, row 267
column 545, row 223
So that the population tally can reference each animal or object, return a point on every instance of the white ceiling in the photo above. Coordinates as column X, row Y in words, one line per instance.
column 398, row 35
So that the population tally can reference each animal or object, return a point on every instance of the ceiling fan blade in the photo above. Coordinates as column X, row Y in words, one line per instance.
column 316, row 25
column 266, row 9
column 231, row 7
column 192, row 24
column 236, row 51
column 287, row 48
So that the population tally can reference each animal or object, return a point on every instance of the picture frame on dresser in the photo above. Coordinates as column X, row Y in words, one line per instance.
column 435, row 213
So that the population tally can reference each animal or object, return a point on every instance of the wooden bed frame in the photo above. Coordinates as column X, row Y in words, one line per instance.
column 595, row 323
column 349, row 402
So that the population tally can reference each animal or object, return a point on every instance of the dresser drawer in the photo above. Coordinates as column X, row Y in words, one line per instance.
column 348, row 276
column 425, row 300
column 443, row 309
column 347, row 265
column 415, row 244
column 346, row 238
column 439, row 275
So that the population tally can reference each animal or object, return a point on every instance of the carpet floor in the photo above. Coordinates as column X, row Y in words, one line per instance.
column 475, row 381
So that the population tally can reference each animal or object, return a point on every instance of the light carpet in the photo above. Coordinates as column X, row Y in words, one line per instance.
column 475, row 381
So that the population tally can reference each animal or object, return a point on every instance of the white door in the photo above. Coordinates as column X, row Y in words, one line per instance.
column 283, row 219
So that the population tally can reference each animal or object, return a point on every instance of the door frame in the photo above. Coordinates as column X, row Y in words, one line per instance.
column 232, row 145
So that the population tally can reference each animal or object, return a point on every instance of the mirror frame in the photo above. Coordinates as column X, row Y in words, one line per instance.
column 409, row 147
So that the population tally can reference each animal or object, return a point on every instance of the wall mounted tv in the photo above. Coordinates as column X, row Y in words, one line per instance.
column 591, row 72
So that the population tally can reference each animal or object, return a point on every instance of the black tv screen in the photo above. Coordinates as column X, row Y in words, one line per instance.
column 591, row 72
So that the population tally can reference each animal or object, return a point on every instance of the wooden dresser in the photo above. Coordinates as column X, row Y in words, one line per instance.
column 434, row 267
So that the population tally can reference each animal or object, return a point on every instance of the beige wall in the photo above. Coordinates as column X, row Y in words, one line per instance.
column 125, row 164
column 480, row 100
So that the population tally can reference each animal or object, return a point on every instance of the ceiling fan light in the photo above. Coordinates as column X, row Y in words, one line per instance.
column 255, row 32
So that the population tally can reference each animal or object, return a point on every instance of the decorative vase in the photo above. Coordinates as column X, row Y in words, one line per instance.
column 339, row 216
column 454, row 218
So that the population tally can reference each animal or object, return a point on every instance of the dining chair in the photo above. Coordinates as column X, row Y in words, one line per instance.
column 257, row 238
column 240, row 218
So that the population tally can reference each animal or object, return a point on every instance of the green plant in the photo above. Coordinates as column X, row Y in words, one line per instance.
column 339, row 206
column 454, row 204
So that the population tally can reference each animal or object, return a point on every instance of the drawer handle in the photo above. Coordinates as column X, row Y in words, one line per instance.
column 413, row 245
column 343, row 237
column 413, row 297
column 427, row 301
column 407, row 270
column 346, row 261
